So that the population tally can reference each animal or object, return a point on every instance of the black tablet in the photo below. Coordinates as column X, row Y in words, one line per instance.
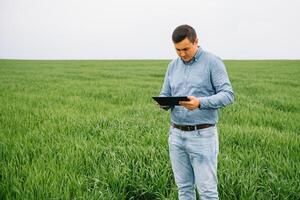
column 169, row 101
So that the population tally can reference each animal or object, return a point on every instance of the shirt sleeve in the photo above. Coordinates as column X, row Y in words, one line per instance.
column 223, row 90
column 166, row 88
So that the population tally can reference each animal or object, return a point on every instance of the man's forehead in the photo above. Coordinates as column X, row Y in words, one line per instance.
column 183, row 47
column 183, row 44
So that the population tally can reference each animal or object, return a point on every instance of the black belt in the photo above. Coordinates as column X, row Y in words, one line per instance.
column 191, row 127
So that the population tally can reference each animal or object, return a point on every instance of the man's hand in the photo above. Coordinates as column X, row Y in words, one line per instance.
column 192, row 104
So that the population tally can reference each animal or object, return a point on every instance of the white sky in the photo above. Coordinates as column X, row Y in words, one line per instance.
column 137, row 29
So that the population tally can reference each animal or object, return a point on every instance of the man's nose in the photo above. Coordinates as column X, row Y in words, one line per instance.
column 182, row 53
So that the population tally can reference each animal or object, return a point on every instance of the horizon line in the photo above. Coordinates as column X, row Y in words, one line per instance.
column 140, row 59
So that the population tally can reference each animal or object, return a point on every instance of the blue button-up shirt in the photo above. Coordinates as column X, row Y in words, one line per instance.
column 204, row 77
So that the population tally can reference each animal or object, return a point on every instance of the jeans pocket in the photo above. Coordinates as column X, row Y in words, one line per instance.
column 170, row 130
column 207, row 132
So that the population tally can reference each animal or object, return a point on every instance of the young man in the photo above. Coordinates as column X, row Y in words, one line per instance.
column 193, row 137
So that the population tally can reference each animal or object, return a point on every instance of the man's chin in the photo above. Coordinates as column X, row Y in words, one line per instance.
column 186, row 59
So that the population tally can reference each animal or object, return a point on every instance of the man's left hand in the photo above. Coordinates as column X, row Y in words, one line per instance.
column 192, row 104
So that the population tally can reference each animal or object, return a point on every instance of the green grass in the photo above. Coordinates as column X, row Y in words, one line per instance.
column 89, row 130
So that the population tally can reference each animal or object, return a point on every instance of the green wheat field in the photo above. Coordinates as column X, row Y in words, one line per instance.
column 90, row 130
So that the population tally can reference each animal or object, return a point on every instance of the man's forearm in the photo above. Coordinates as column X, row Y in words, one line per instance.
column 216, row 101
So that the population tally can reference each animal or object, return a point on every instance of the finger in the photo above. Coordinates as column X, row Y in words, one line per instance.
column 189, row 105
column 191, row 108
column 191, row 97
column 182, row 103
column 185, row 102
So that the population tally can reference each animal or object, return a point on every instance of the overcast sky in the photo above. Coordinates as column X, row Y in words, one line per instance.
column 137, row 29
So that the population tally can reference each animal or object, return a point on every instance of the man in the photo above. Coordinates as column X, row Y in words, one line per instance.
column 193, row 137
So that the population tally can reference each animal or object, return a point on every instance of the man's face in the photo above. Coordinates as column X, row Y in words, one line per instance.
column 186, row 49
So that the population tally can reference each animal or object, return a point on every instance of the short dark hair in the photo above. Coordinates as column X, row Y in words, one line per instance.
column 182, row 32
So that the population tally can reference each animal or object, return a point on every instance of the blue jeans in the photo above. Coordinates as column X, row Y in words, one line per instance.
column 193, row 157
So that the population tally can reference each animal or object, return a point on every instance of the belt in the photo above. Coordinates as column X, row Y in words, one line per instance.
column 191, row 127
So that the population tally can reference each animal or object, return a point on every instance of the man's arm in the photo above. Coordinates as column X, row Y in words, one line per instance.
column 166, row 89
column 220, row 81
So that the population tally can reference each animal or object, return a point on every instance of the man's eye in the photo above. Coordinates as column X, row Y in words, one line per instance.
column 182, row 49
